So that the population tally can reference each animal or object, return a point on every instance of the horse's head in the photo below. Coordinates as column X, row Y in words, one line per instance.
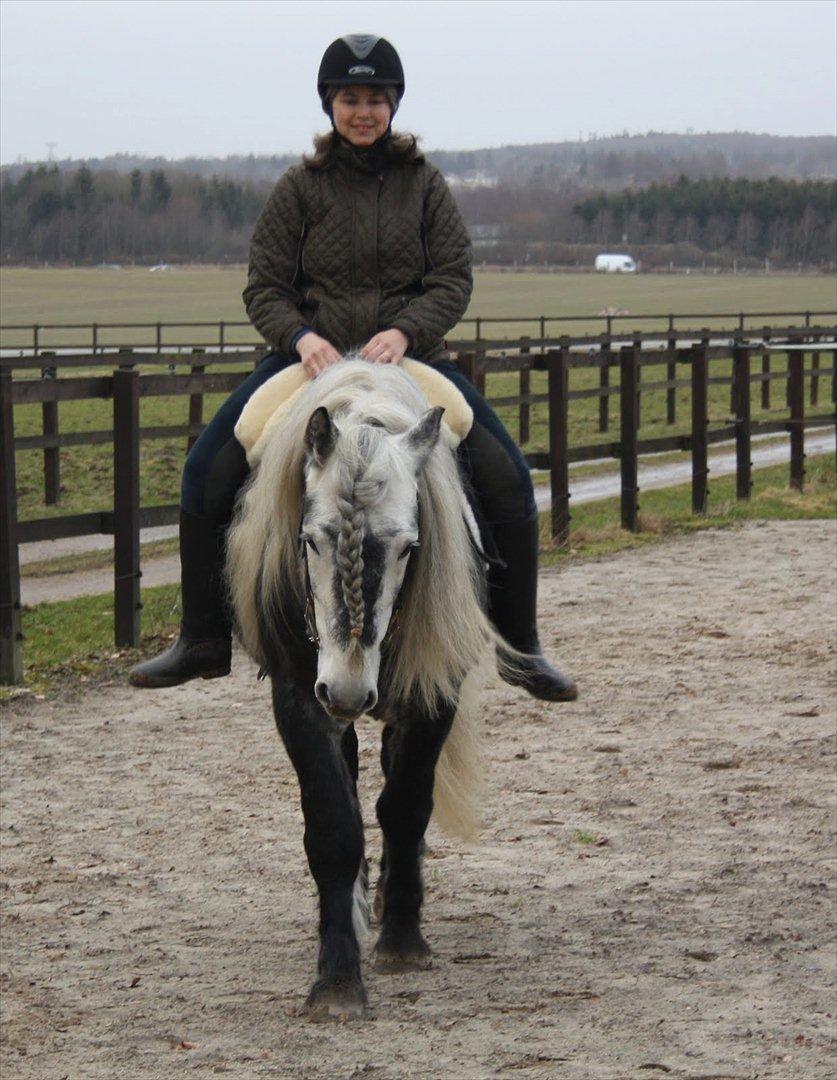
column 360, row 527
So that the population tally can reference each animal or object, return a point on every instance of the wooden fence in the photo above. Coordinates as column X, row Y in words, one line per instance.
column 127, row 375
column 225, row 337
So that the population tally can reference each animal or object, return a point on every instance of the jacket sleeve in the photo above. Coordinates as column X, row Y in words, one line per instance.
column 271, row 297
column 448, row 280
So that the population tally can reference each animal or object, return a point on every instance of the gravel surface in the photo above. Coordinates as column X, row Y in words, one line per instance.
column 652, row 894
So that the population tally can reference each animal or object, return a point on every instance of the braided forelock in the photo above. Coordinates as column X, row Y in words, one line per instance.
column 355, row 494
column 350, row 559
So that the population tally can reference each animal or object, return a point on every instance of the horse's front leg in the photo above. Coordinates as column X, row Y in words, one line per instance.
column 404, row 809
column 333, row 844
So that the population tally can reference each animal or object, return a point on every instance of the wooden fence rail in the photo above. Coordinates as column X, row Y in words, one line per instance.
column 31, row 337
column 688, row 356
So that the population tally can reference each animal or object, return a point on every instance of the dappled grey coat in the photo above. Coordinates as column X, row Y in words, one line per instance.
column 350, row 249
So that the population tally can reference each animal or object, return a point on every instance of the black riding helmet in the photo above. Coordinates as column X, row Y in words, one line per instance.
column 359, row 60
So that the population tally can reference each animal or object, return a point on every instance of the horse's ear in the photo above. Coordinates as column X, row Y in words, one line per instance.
column 425, row 434
column 320, row 435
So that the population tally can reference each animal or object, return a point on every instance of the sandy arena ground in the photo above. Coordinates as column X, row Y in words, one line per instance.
column 652, row 896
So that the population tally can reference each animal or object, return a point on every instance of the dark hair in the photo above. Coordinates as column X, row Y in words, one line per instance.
column 399, row 147
column 389, row 92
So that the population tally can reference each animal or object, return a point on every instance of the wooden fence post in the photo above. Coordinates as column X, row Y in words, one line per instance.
column 815, row 378
column 524, row 414
column 604, row 384
column 479, row 372
column 49, row 426
column 796, row 400
column 638, row 354
column 126, row 504
column 700, row 422
column 671, row 376
column 559, row 475
column 11, row 636
column 834, row 377
column 195, row 402
column 765, row 383
column 629, row 427
column 471, row 366
column 733, row 385
column 741, row 409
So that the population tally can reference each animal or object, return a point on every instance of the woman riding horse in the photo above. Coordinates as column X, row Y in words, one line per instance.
column 359, row 246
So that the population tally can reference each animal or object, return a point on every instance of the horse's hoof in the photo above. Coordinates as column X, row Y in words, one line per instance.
column 390, row 960
column 340, row 1003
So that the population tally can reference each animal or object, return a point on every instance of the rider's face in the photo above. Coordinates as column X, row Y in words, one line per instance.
column 361, row 114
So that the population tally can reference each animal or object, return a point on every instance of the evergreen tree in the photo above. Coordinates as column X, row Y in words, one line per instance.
column 160, row 193
column 84, row 188
column 136, row 186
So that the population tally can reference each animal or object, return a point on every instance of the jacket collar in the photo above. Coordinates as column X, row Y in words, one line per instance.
column 372, row 160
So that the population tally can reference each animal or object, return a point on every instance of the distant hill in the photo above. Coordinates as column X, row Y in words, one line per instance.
column 614, row 162
column 673, row 198
column 635, row 160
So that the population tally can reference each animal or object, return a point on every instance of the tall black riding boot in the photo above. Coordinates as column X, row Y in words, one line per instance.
column 512, row 607
column 205, row 643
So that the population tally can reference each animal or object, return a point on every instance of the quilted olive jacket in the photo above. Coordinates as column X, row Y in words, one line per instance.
column 349, row 250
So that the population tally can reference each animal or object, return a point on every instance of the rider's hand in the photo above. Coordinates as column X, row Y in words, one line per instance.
column 388, row 347
column 316, row 354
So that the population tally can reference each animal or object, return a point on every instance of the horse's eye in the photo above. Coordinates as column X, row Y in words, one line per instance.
column 410, row 547
column 306, row 539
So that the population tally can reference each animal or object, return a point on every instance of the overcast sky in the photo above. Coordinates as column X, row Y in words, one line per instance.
column 214, row 77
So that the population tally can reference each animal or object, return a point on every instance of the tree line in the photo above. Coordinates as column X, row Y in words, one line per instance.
column 786, row 219
column 87, row 217
column 608, row 162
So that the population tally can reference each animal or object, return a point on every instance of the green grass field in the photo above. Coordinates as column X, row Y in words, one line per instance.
column 211, row 293
column 195, row 294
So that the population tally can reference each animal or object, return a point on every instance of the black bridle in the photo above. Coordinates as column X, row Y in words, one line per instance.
column 310, row 616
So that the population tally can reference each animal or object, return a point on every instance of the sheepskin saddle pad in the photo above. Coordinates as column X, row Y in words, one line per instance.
column 267, row 406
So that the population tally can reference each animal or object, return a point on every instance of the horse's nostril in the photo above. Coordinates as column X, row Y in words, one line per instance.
column 371, row 700
column 321, row 692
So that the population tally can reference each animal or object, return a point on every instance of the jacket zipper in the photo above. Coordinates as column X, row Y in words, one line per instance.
column 377, row 252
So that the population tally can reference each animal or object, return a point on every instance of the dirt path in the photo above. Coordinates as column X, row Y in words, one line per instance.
column 652, row 895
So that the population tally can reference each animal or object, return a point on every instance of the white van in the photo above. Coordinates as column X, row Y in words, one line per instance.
column 615, row 264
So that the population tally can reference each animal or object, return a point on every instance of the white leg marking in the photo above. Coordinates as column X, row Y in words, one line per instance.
column 360, row 904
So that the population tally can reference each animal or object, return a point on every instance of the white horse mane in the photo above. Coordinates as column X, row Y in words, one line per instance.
column 443, row 632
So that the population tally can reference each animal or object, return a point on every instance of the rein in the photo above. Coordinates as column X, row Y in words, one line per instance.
column 310, row 618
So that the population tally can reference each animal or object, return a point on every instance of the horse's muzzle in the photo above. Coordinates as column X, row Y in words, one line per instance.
column 345, row 703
